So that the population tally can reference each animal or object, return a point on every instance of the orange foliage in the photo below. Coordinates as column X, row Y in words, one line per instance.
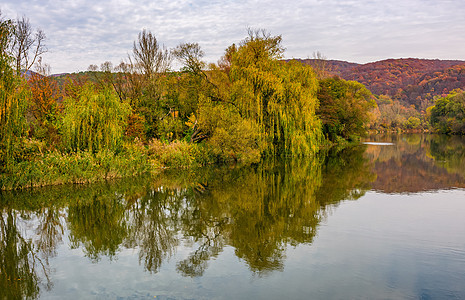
column 411, row 80
column 44, row 96
column 44, row 92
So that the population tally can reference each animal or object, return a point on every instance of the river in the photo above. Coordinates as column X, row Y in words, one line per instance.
column 384, row 219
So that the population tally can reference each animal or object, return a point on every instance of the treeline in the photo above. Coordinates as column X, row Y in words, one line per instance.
column 410, row 81
column 140, row 115
column 404, row 88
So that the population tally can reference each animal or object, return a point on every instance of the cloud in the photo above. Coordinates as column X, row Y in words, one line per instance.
column 84, row 32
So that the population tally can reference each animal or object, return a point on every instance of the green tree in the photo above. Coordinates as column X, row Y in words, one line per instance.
column 98, row 224
column 344, row 108
column 94, row 120
column 448, row 113
column 13, row 99
column 204, row 98
column 413, row 123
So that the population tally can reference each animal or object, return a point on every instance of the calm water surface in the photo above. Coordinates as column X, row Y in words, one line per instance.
column 381, row 220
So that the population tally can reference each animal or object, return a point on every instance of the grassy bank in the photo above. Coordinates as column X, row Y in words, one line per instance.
column 55, row 167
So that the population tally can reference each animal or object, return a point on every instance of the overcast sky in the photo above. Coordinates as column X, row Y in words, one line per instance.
column 84, row 32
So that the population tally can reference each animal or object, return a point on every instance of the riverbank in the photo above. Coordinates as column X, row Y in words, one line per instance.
column 55, row 167
column 48, row 168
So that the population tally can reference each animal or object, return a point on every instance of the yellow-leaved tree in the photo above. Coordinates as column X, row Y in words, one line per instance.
column 279, row 96
column 253, row 101
column 94, row 120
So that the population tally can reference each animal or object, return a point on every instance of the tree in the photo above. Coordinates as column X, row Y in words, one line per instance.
column 448, row 113
column 279, row 96
column 190, row 55
column 12, row 98
column 94, row 120
column 149, row 56
column 44, row 95
column 197, row 92
column 344, row 107
column 128, row 84
column 27, row 46
column 269, row 105
column 105, row 78
column 320, row 65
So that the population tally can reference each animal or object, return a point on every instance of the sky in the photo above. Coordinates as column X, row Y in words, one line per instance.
column 84, row 32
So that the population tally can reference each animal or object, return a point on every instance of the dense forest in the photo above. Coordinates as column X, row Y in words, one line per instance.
column 141, row 115
column 404, row 88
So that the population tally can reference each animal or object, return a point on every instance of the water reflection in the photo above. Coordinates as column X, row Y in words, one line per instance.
column 417, row 163
column 21, row 267
column 258, row 210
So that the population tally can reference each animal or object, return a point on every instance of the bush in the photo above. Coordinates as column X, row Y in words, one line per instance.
column 180, row 154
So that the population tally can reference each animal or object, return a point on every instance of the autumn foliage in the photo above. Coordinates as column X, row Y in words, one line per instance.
column 141, row 115
column 43, row 107
column 410, row 81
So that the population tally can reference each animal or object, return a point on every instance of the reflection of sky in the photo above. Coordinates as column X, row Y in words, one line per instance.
column 380, row 246
column 387, row 247
column 87, row 32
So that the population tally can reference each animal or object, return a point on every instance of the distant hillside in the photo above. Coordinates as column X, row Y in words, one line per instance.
column 59, row 75
column 28, row 74
column 337, row 67
column 407, row 80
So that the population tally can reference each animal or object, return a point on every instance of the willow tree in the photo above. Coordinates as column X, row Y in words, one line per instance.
column 94, row 120
column 279, row 96
column 12, row 98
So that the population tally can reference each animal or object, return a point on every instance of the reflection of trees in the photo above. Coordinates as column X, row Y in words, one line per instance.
column 347, row 175
column 20, row 264
column 153, row 226
column 197, row 262
column 49, row 231
column 259, row 210
column 275, row 206
column 418, row 163
column 99, row 224
column 449, row 152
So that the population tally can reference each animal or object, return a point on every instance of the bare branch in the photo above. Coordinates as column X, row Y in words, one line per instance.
column 27, row 47
column 190, row 55
column 92, row 68
column 149, row 56
column 320, row 65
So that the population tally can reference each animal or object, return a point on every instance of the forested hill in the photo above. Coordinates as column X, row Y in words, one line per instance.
column 409, row 80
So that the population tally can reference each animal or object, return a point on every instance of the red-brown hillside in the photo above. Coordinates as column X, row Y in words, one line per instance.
column 408, row 80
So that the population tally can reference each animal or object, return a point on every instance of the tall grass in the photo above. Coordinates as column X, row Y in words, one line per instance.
column 54, row 167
